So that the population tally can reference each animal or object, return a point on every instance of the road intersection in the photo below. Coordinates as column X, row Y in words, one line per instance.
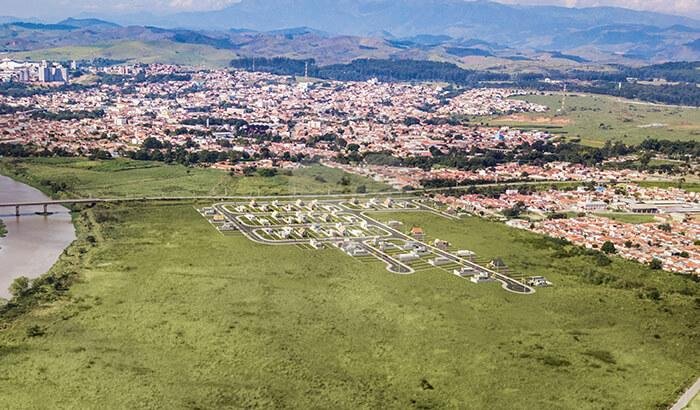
column 346, row 224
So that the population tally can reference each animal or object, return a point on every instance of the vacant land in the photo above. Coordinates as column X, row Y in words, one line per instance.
column 628, row 218
column 166, row 52
column 170, row 313
column 127, row 178
column 694, row 404
column 594, row 119
column 688, row 186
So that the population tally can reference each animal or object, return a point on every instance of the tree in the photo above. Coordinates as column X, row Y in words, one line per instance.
column 655, row 264
column 665, row 227
column 19, row 286
column 361, row 189
column 152, row 143
column 608, row 247
column 515, row 211
column 267, row 172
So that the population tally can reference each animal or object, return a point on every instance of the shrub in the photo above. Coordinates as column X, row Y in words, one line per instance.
column 602, row 355
column 35, row 331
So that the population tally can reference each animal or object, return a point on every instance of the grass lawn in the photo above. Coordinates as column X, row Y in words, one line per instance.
column 128, row 178
column 169, row 313
column 596, row 118
column 628, row 218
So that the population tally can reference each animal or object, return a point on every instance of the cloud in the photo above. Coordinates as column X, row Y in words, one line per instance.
column 200, row 4
column 690, row 8
column 64, row 8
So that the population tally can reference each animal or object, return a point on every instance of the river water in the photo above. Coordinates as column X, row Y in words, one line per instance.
column 33, row 242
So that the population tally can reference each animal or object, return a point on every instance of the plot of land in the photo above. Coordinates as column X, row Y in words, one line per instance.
column 594, row 119
column 123, row 178
column 166, row 305
column 171, row 314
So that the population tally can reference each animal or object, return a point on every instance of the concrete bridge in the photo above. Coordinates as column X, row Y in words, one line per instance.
column 46, row 204
column 92, row 201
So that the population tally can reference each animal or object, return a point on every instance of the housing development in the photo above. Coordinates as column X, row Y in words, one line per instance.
column 400, row 214
column 239, row 121
column 347, row 226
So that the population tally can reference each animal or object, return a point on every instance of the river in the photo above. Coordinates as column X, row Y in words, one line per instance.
column 33, row 242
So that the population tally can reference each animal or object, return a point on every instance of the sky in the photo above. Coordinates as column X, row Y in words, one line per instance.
column 48, row 9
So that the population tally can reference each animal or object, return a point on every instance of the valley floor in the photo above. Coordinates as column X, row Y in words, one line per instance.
column 169, row 313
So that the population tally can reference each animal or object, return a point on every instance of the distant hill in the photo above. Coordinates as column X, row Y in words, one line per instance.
column 607, row 34
column 486, row 20
column 476, row 33
column 89, row 22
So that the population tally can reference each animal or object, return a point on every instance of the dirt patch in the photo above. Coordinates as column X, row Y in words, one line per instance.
column 540, row 120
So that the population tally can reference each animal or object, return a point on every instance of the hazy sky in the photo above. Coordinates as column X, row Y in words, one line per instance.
column 64, row 8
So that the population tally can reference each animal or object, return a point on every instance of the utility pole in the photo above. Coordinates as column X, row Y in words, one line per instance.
column 563, row 100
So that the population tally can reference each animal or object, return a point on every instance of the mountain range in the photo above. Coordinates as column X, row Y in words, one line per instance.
column 464, row 32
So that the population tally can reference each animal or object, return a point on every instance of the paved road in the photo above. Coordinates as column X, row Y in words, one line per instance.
column 393, row 264
column 249, row 197
column 689, row 394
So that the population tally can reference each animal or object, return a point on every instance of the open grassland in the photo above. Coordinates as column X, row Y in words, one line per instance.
column 171, row 314
column 628, row 218
column 694, row 404
column 688, row 186
column 595, row 119
column 161, row 51
column 74, row 177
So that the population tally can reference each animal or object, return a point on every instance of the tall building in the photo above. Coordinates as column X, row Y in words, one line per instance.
column 44, row 72
column 49, row 73
column 23, row 75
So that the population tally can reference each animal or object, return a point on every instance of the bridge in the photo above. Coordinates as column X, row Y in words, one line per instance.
column 92, row 201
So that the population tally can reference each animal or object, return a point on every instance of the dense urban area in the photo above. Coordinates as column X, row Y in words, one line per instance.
column 407, row 135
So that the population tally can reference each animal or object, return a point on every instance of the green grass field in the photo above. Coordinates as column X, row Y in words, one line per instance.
column 688, row 186
column 595, row 119
column 127, row 178
column 169, row 313
column 147, row 52
column 694, row 404
column 628, row 218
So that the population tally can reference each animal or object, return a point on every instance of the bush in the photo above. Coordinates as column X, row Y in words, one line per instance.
column 267, row 172
column 19, row 287
column 555, row 361
column 608, row 247
column 602, row 260
column 35, row 331
column 602, row 355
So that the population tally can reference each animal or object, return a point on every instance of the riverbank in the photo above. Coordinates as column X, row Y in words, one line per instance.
column 30, row 244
